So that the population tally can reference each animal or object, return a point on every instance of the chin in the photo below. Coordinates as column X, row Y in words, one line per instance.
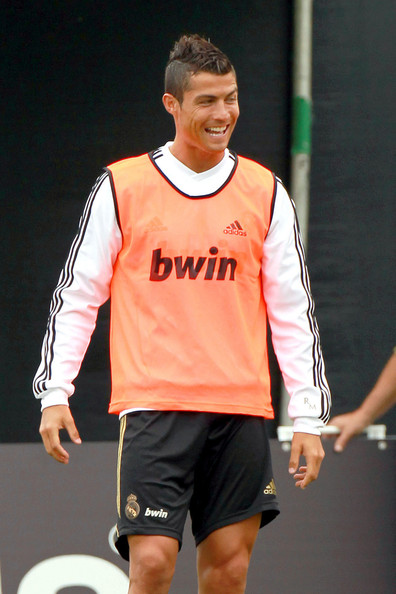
column 218, row 144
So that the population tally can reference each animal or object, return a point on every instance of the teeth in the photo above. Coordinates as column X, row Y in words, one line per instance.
column 217, row 130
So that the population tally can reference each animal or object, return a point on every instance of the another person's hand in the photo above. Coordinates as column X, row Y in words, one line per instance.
column 377, row 402
column 53, row 419
column 349, row 424
column 309, row 446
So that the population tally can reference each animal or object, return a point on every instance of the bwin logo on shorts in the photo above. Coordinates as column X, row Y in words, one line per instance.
column 156, row 513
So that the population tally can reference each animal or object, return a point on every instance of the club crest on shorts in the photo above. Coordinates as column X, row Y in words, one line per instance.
column 132, row 508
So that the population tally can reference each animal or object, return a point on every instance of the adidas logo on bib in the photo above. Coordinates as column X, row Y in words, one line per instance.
column 235, row 229
column 155, row 225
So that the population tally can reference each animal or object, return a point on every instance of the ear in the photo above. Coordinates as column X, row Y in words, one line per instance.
column 170, row 103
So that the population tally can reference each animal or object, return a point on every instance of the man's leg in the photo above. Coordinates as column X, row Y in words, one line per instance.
column 152, row 561
column 223, row 557
column 155, row 474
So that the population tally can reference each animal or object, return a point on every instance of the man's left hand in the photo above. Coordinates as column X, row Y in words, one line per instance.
column 309, row 446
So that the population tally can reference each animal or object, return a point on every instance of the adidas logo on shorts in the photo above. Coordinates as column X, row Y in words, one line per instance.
column 270, row 489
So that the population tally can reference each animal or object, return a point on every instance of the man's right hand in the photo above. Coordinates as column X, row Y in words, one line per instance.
column 53, row 419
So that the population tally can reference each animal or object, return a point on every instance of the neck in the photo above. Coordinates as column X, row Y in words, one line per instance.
column 196, row 160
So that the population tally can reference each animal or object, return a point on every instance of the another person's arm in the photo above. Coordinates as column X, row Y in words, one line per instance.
column 377, row 402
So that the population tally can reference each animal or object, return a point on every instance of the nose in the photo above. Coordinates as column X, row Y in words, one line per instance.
column 222, row 110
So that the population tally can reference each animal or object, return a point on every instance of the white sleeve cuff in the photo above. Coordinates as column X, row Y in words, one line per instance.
column 307, row 425
column 54, row 397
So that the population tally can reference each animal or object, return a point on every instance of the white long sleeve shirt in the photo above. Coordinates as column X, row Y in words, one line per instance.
column 84, row 285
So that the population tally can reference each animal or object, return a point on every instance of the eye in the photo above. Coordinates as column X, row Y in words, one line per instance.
column 206, row 101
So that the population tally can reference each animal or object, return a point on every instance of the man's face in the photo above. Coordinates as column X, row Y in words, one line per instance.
column 205, row 119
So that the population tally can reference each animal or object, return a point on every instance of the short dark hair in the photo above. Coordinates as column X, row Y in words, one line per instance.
column 192, row 54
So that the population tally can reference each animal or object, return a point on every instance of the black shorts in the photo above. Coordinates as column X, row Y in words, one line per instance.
column 217, row 466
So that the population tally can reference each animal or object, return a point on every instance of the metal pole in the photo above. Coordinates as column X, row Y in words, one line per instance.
column 301, row 130
column 302, row 111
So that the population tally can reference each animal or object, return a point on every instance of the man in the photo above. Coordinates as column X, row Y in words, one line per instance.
column 195, row 246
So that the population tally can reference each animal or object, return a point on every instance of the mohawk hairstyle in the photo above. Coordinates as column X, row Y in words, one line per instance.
column 192, row 54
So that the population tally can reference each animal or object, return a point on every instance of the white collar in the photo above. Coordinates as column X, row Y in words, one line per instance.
column 190, row 182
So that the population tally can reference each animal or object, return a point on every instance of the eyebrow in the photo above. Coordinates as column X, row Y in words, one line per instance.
column 209, row 96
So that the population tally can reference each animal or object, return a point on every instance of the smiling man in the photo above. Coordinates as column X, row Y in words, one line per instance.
column 197, row 248
column 205, row 118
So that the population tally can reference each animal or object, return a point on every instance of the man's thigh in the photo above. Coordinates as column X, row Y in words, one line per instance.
column 158, row 453
column 233, row 478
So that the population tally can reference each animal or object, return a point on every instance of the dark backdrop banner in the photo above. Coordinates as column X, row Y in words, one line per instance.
column 352, row 239
column 82, row 88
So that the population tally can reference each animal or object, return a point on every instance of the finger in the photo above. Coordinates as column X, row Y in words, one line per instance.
column 300, row 484
column 294, row 459
column 72, row 431
column 302, row 469
column 53, row 446
column 300, row 475
column 312, row 470
column 60, row 454
column 341, row 442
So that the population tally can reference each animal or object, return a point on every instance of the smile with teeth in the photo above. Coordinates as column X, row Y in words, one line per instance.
column 217, row 130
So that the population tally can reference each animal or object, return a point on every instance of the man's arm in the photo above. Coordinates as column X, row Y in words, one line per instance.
column 83, row 286
column 295, row 337
column 377, row 402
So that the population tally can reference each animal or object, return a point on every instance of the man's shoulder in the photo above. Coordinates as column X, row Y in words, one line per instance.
column 252, row 164
column 129, row 162
column 252, row 167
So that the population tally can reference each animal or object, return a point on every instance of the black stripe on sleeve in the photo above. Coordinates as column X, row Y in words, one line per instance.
column 65, row 280
column 318, row 366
